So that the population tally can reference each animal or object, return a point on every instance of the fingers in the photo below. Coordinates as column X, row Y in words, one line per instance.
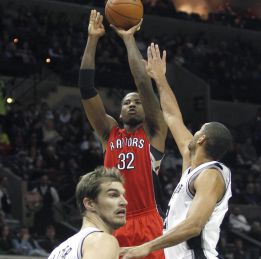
column 153, row 51
column 137, row 27
column 164, row 56
column 96, row 17
column 100, row 20
column 149, row 54
column 92, row 16
column 114, row 27
column 157, row 51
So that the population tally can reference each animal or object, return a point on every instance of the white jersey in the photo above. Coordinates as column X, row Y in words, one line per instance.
column 72, row 247
column 204, row 245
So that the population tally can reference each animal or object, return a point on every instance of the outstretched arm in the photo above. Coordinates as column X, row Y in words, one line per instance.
column 92, row 103
column 156, row 127
column 156, row 69
column 210, row 188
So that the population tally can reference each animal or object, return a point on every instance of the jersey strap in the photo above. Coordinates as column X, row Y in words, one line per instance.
column 79, row 251
column 156, row 157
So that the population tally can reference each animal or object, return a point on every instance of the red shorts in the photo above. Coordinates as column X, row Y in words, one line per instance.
column 140, row 229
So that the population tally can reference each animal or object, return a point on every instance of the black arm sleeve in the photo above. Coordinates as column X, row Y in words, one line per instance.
column 86, row 83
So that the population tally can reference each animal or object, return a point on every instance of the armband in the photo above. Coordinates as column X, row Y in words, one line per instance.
column 86, row 83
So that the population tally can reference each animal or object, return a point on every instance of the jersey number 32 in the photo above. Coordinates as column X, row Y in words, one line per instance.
column 126, row 161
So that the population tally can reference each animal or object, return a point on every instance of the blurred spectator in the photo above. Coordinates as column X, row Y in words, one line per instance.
column 49, row 242
column 5, row 146
column 250, row 197
column 50, row 198
column 25, row 53
column 50, row 135
column 2, row 104
column 249, row 151
column 257, row 132
column 65, row 115
column 33, row 203
column 239, row 250
column 256, row 166
column 2, row 219
column 51, row 159
column 5, row 202
column 93, row 150
column 6, row 244
column 238, row 221
column 24, row 244
column 255, row 230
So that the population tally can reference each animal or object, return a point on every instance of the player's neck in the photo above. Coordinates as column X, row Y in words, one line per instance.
column 131, row 128
column 95, row 222
column 198, row 159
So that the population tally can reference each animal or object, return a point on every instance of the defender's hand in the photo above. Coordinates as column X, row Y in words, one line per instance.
column 155, row 65
column 96, row 28
column 129, row 33
column 134, row 252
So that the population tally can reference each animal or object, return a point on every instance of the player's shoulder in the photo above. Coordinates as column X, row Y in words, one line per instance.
column 101, row 238
column 100, row 245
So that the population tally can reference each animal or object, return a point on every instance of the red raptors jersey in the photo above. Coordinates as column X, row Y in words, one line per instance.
column 130, row 153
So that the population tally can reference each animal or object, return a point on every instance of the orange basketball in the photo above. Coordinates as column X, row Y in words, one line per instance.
column 124, row 13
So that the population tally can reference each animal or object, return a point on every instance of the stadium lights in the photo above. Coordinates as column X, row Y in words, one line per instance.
column 10, row 100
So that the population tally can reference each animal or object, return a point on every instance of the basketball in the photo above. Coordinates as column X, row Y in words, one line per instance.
column 124, row 14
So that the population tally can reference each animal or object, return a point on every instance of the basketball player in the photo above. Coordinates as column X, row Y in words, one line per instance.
column 137, row 148
column 200, row 200
column 100, row 196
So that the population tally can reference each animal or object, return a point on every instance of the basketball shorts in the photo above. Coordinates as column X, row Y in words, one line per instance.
column 139, row 229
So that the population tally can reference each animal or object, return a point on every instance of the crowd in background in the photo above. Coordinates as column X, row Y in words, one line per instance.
column 37, row 38
column 46, row 146
column 225, row 14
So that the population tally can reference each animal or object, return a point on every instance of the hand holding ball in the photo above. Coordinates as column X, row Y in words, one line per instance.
column 124, row 14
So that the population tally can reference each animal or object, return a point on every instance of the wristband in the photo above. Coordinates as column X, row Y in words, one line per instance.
column 86, row 83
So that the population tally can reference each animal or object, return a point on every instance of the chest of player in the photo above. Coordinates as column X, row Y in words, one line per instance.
column 127, row 143
column 128, row 152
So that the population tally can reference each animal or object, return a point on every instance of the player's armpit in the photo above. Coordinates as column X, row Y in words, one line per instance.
column 100, row 245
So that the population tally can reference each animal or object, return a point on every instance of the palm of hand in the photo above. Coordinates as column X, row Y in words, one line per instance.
column 96, row 30
column 155, row 68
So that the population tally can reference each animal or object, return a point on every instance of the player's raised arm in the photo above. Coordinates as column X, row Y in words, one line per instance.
column 156, row 127
column 156, row 69
column 92, row 103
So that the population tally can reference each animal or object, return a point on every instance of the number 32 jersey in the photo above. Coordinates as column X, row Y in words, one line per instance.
column 130, row 153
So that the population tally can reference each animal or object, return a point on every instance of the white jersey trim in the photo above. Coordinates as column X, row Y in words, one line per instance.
column 194, row 175
column 79, row 250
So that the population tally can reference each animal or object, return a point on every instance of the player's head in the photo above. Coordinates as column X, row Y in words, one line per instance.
column 215, row 138
column 132, row 112
column 101, row 194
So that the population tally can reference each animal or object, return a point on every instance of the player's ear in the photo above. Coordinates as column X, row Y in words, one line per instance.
column 201, row 139
column 89, row 204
